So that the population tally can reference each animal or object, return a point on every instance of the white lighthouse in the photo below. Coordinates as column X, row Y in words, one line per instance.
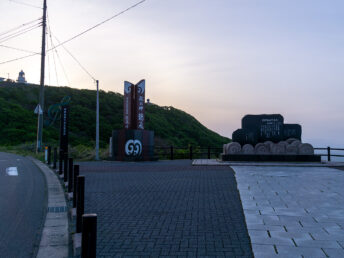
column 21, row 77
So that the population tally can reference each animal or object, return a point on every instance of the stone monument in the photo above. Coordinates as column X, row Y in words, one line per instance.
column 133, row 142
column 268, row 138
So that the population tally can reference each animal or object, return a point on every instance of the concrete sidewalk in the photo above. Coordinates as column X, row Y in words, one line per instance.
column 54, row 241
column 217, row 162
column 293, row 211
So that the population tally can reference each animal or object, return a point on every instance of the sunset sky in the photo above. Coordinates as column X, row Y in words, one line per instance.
column 215, row 59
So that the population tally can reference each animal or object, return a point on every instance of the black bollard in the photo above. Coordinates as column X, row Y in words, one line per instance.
column 80, row 195
column 55, row 158
column 65, row 167
column 89, row 236
column 328, row 153
column 60, row 162
column 49, row 155
column 75, row 176
column 70, row 175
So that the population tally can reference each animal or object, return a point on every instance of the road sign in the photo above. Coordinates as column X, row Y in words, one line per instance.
column 38, row 110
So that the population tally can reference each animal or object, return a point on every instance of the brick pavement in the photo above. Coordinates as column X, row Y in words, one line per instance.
column 166, row 208
column 293, row 211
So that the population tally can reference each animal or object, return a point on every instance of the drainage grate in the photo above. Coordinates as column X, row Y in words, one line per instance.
column 57, row 209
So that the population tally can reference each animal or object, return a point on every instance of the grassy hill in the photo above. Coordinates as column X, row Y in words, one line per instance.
column 18, row 123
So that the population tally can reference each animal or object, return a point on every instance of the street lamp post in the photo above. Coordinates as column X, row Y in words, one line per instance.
column 97, row 123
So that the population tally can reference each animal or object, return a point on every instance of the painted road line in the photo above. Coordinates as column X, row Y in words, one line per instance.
column 12, row 171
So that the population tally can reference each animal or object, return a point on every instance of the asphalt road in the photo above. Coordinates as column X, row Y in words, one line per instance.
column 22, row 206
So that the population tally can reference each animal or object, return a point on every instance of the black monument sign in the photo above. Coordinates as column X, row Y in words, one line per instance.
column 261, row 128
column 64, row 124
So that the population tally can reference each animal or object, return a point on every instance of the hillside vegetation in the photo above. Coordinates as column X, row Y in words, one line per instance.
column 18, row 123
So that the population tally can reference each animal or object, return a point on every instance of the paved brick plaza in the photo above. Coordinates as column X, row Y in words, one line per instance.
column 166, row 208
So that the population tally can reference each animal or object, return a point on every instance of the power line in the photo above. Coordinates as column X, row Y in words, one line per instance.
column 18, row 27
column 19, row 33
column 26, row 4
column 52, row 44
column 16, row 59
column 57, row 53
column 97, row 25
column 19, row 49
column 77, row 61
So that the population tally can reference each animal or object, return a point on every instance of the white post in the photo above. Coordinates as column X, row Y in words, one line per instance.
column 46, row 154
column 97, row 123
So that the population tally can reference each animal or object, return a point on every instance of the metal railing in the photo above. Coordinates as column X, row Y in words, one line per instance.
column 192, row 152
column 330, row 152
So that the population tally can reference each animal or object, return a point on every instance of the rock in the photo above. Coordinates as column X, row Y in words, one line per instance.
column 278, row 148
column 305, row 149
column 290, row 140
column 224, row 150
column 291, row 150
column 295, row 143
column 268, row 145
column 283, row 143
column 248, row 149
column 233, row 148
column 261, row 149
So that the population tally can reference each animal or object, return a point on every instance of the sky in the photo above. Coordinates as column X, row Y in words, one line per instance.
column 215, row 59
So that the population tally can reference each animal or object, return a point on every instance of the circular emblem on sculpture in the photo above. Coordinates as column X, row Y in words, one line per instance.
column 133, row 148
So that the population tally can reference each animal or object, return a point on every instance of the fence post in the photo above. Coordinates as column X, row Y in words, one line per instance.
column 191, row 152
column 208, row 152
column 80, row 197
column 70, row 175
column 89, row 236
column 328, row 153
column 60, row 161
column 49, row 155
column 55, row 157
column 171, row 152
column 65, row 167
column 75, row 176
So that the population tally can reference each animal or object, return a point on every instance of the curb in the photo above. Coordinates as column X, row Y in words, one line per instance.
column 214, row 162
column 54, row 241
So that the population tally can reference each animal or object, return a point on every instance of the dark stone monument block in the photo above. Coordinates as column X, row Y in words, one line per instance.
column 244, row 136
column 266, row 127
column 261, row 128
column 292, row 131
column 132, row 145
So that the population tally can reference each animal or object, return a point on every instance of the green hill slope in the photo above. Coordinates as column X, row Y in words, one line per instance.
column 18, row 123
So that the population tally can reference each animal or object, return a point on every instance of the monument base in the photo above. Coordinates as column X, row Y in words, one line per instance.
column 132, row 145
column 267, row 158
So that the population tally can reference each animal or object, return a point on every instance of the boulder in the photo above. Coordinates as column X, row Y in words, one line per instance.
column 247, row 149
column 233, row 148
column 305, row 149
column 268, row 145
column 278, row 148
column 291, row 150
column 261, row 149
column 295, row 143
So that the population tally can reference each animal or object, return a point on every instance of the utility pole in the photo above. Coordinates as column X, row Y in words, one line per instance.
column 97, row 123
column 41, row 87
